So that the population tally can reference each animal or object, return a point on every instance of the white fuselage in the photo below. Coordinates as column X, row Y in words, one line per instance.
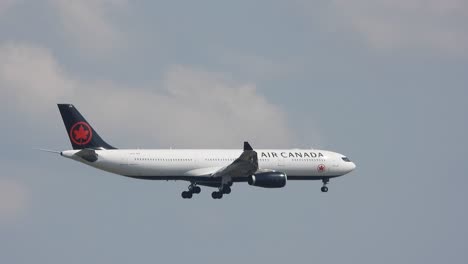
column 177, row 163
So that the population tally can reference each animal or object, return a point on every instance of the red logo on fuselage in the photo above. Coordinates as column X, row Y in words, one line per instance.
column 81, row 133
column 321, row 168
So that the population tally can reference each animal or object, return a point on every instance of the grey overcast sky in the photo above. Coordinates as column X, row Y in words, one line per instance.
column 384, row 82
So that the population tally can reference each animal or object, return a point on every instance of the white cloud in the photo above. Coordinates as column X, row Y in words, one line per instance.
column 6, row 4
column 257, row 67
column 194, row 108
column 89, row 23
column 31, row 78
column 219, row 112
column 418, row 24
column 433, row 26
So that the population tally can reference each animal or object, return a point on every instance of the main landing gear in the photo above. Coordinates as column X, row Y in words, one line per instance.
column 324, row 187
column 226, row 189
column 192, row 189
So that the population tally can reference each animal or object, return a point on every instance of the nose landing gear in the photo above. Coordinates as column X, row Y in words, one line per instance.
column 324, row 187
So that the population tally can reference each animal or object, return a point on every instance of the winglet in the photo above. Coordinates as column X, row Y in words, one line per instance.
column 247, row 146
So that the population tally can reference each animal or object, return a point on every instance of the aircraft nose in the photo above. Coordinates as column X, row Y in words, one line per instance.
column 352, row 166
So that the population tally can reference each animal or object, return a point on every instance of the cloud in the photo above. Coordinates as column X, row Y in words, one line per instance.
column 427, row 24
column 420, row 25
column 13, row 199
column 257, row 67
column 191, row 108
column 6, row 4
column 31, row 78
column 218, row 111
column 89, row 24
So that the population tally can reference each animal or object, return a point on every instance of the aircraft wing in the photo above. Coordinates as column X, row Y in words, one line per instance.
column 245, row 165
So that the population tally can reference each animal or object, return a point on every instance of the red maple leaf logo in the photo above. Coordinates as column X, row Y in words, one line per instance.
column 321, row 167
column 81, row 133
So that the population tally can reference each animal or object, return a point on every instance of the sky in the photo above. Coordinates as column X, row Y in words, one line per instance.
column 383, row 82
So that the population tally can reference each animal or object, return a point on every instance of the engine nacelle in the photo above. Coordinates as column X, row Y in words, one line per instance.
column 271, row 179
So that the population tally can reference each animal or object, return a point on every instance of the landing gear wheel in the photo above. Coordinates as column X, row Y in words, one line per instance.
column 324, row 187
column 217, row 195
column 196, row 189
column 227, row 190
column 186, row 195
column 193, row 188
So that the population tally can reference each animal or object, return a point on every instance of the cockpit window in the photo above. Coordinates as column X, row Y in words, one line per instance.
column 346, row 159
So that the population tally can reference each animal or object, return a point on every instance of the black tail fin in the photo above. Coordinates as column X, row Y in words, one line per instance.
column 81, row 134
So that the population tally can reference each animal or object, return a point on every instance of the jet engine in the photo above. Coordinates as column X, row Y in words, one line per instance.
column 271, row 179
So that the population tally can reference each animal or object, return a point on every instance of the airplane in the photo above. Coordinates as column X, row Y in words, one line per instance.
column 218, row 168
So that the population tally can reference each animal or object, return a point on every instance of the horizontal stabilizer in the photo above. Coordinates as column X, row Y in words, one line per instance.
column 88, row 155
